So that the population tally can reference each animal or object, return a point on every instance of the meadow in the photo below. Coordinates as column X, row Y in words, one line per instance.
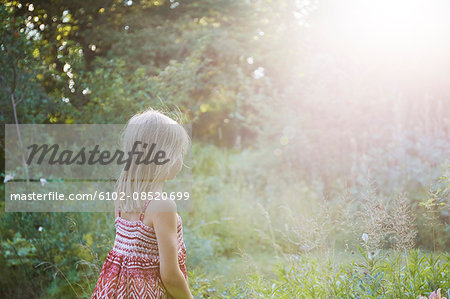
column 245, row 240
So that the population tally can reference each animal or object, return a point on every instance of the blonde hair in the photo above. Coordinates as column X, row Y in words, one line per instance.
column 165, row 134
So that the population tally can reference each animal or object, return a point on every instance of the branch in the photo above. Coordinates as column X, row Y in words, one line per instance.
column 21, row 99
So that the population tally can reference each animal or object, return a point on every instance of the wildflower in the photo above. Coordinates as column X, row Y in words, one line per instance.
column 43, row 181
column 365, row 237
column 40, row 228
column 434, row 295
column 8, row 177
column 372, row 254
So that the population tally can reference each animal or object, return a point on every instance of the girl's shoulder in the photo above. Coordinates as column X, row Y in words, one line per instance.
column 158, row 206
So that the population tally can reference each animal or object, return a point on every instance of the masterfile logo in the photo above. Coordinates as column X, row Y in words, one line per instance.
column 81, row 165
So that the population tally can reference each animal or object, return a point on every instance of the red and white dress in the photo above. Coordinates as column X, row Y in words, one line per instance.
column 131, row 269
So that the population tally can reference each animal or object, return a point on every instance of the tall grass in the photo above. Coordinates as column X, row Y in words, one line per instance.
column 391, row 274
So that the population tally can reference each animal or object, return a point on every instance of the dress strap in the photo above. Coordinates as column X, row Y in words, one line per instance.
column 117, row 209
column 143, row 210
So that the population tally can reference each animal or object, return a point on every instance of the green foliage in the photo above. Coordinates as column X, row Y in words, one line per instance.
column 55, row 252
column 105, row 61
column 20, row 69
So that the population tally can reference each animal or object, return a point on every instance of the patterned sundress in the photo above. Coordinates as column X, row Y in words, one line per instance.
column 131, row 269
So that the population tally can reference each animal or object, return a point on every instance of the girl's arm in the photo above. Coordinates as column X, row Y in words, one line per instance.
column 165, row 225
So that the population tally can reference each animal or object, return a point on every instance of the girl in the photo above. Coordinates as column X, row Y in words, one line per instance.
column 148, row 257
